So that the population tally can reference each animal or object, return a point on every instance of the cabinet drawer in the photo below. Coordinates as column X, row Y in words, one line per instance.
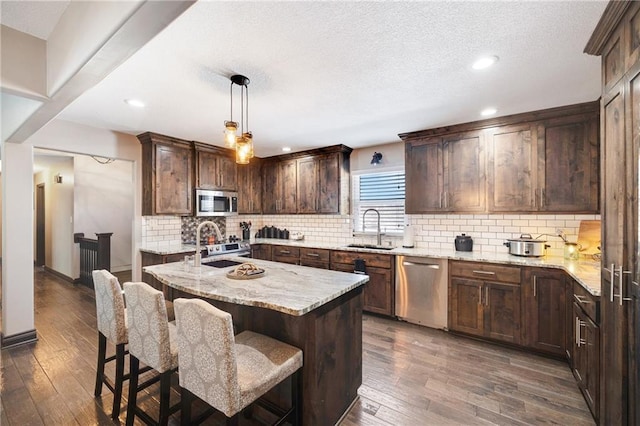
column 588, row 303
column 485, row 271
column 279, row 251
column 315, row 255
column 371, row 259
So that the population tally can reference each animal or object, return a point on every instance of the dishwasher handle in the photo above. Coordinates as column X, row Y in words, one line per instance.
column 426, row 265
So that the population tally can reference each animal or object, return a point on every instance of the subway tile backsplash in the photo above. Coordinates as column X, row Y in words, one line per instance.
column 489, row 231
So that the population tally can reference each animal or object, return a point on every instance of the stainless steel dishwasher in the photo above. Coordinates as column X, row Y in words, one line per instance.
column 421, row 290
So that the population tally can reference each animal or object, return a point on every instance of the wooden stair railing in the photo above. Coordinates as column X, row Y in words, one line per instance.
column 94, row 254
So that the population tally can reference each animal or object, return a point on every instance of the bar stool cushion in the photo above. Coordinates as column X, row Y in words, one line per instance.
column 110, row 310
column 151, row 338
column 227, row 373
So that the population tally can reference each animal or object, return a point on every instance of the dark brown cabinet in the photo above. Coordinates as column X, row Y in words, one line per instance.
column 484, row 300
column 167, row 175
column 544, row 320
column 149, row 259
column 279, row 187
column 307, row 185
column 250, row 187
column 542, row 161
column 261, row 251
column 285, row 254
column 317, row 258
column 446, row 174
column 616, row 39
column 378, row 293
column 215, row 168
column 585, row 353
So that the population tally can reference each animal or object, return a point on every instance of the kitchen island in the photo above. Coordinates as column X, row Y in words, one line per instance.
column 318, row 311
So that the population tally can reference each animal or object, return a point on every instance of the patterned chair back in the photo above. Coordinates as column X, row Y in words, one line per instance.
column 206, row 348
column 110, row 310
column 148, row 325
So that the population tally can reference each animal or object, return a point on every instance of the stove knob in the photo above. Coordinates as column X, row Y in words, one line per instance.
column 217, row 248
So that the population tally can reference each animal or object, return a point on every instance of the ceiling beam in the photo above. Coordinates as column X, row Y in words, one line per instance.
column 144, row 24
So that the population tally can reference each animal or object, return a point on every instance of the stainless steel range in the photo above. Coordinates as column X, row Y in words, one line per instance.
column 240, row 248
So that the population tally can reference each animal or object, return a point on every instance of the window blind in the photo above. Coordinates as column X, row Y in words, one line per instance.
column 384, row 192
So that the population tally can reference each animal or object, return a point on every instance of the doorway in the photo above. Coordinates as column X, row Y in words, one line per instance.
column 40, row 227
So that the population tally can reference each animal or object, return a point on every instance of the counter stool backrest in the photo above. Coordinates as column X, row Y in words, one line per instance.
column 110, row 311
column 206, row 333
column 148, row 325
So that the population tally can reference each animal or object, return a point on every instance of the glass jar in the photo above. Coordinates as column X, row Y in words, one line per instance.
column 571, row 251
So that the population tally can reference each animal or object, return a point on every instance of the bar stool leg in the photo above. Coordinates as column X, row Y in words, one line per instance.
column 165, row 389
column 102, row 355
column 186, row 399
column 117, row 392
column 295, row 397
column 134, row 371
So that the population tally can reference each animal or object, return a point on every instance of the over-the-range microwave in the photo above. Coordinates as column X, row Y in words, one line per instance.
column 216, row 203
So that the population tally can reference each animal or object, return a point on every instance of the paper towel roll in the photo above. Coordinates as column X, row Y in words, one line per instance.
column 407, row 240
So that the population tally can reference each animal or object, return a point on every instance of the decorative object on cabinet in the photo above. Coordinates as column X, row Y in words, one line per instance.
column 377, row 158
column 243, row 144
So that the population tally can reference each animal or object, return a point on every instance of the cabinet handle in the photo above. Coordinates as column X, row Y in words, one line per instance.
column 635, row 283
column 486, row 296
column 446, row 200
column 621, row 273
column 313, row 255
column 542, row 194
column 535, row 285
column 535, row 197
column 221, row 179
column 581, row 299
column 480, row 295
column 440, row 199
column 484, row 272
column 579, row 340
column 612, row 271
column 285, row 252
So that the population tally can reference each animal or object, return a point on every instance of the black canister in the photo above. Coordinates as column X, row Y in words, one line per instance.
column 463, row 243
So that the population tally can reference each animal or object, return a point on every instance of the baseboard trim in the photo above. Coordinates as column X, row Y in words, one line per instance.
column 18, row 339
column 59, row 275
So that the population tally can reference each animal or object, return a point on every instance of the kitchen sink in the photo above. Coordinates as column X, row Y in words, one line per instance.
column 371, row 246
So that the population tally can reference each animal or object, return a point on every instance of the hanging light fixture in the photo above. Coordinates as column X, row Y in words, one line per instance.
column 243, row 144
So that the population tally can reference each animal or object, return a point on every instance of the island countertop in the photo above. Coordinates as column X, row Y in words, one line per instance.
column 290, row 289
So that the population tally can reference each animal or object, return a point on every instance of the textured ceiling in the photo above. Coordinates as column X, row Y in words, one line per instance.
column 37, row 18
column 356, row 73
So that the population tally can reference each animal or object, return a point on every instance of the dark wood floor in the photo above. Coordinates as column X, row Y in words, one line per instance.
column 412, row 375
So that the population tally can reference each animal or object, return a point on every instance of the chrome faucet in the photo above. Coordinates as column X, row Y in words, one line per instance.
column 379, row 235
column 197, row 259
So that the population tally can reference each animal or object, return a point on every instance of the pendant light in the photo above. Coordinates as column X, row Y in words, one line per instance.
column 243, row 144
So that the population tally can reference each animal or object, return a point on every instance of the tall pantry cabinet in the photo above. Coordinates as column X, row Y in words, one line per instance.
column 617, row 40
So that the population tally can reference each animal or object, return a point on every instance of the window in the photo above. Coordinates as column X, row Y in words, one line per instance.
column 383, row 191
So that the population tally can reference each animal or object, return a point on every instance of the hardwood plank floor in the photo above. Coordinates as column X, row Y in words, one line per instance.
column 411, row 375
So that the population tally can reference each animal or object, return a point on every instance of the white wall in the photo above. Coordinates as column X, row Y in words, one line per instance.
column 103, row 202
column 392, row 157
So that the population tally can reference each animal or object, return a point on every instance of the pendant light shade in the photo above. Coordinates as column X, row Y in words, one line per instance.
column 243, row 144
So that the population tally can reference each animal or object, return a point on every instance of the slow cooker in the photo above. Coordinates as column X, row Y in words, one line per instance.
column 526, row 246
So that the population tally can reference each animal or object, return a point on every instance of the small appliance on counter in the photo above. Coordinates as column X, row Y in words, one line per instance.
column 527, row 246
column 273, row 232
column 297, row 236
column 463, row 243
column 407, row 239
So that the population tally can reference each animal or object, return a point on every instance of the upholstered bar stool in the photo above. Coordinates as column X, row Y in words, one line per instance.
column 112, row 327
column 152, row 341
column 230, row 373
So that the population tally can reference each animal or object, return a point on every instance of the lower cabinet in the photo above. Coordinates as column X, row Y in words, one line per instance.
column 149, row 259
column 544, row 323
column 484, row 300
column 379, row 292
column 286, row 254
column 261, row 251
column 585, row 360
column 316, row 258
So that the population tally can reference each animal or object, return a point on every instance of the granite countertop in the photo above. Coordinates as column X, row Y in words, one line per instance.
column 169, row 249
column 291, row 289
column 585, row 271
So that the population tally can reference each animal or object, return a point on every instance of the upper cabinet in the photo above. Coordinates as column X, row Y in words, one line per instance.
column 314, row 181
column 543, row 161
column 215, row 168
column 446, row 174
column 167, row 170
column 250, row 187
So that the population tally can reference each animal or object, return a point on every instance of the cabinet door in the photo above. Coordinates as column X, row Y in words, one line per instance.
column 207, row 176
column 512, row 169
column 592, row 366
column 464, row 171
column 227, row 172
column 544, row 320
column 569, row 166
column 249, row 188
column 272, row 189
column 307, row 185
column 502, row 311
column 261, row 251
column 287, row 175
column 328, row 188
column 465, row 306
column 424, row 176
column 173, row 166
column 379, row 292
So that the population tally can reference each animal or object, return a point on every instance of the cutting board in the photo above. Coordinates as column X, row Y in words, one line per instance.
column 589, row 236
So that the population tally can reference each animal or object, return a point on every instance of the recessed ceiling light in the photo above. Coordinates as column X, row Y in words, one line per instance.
column 488, row 111
column 134, row 103
column 286, row 149
column 484, row 62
